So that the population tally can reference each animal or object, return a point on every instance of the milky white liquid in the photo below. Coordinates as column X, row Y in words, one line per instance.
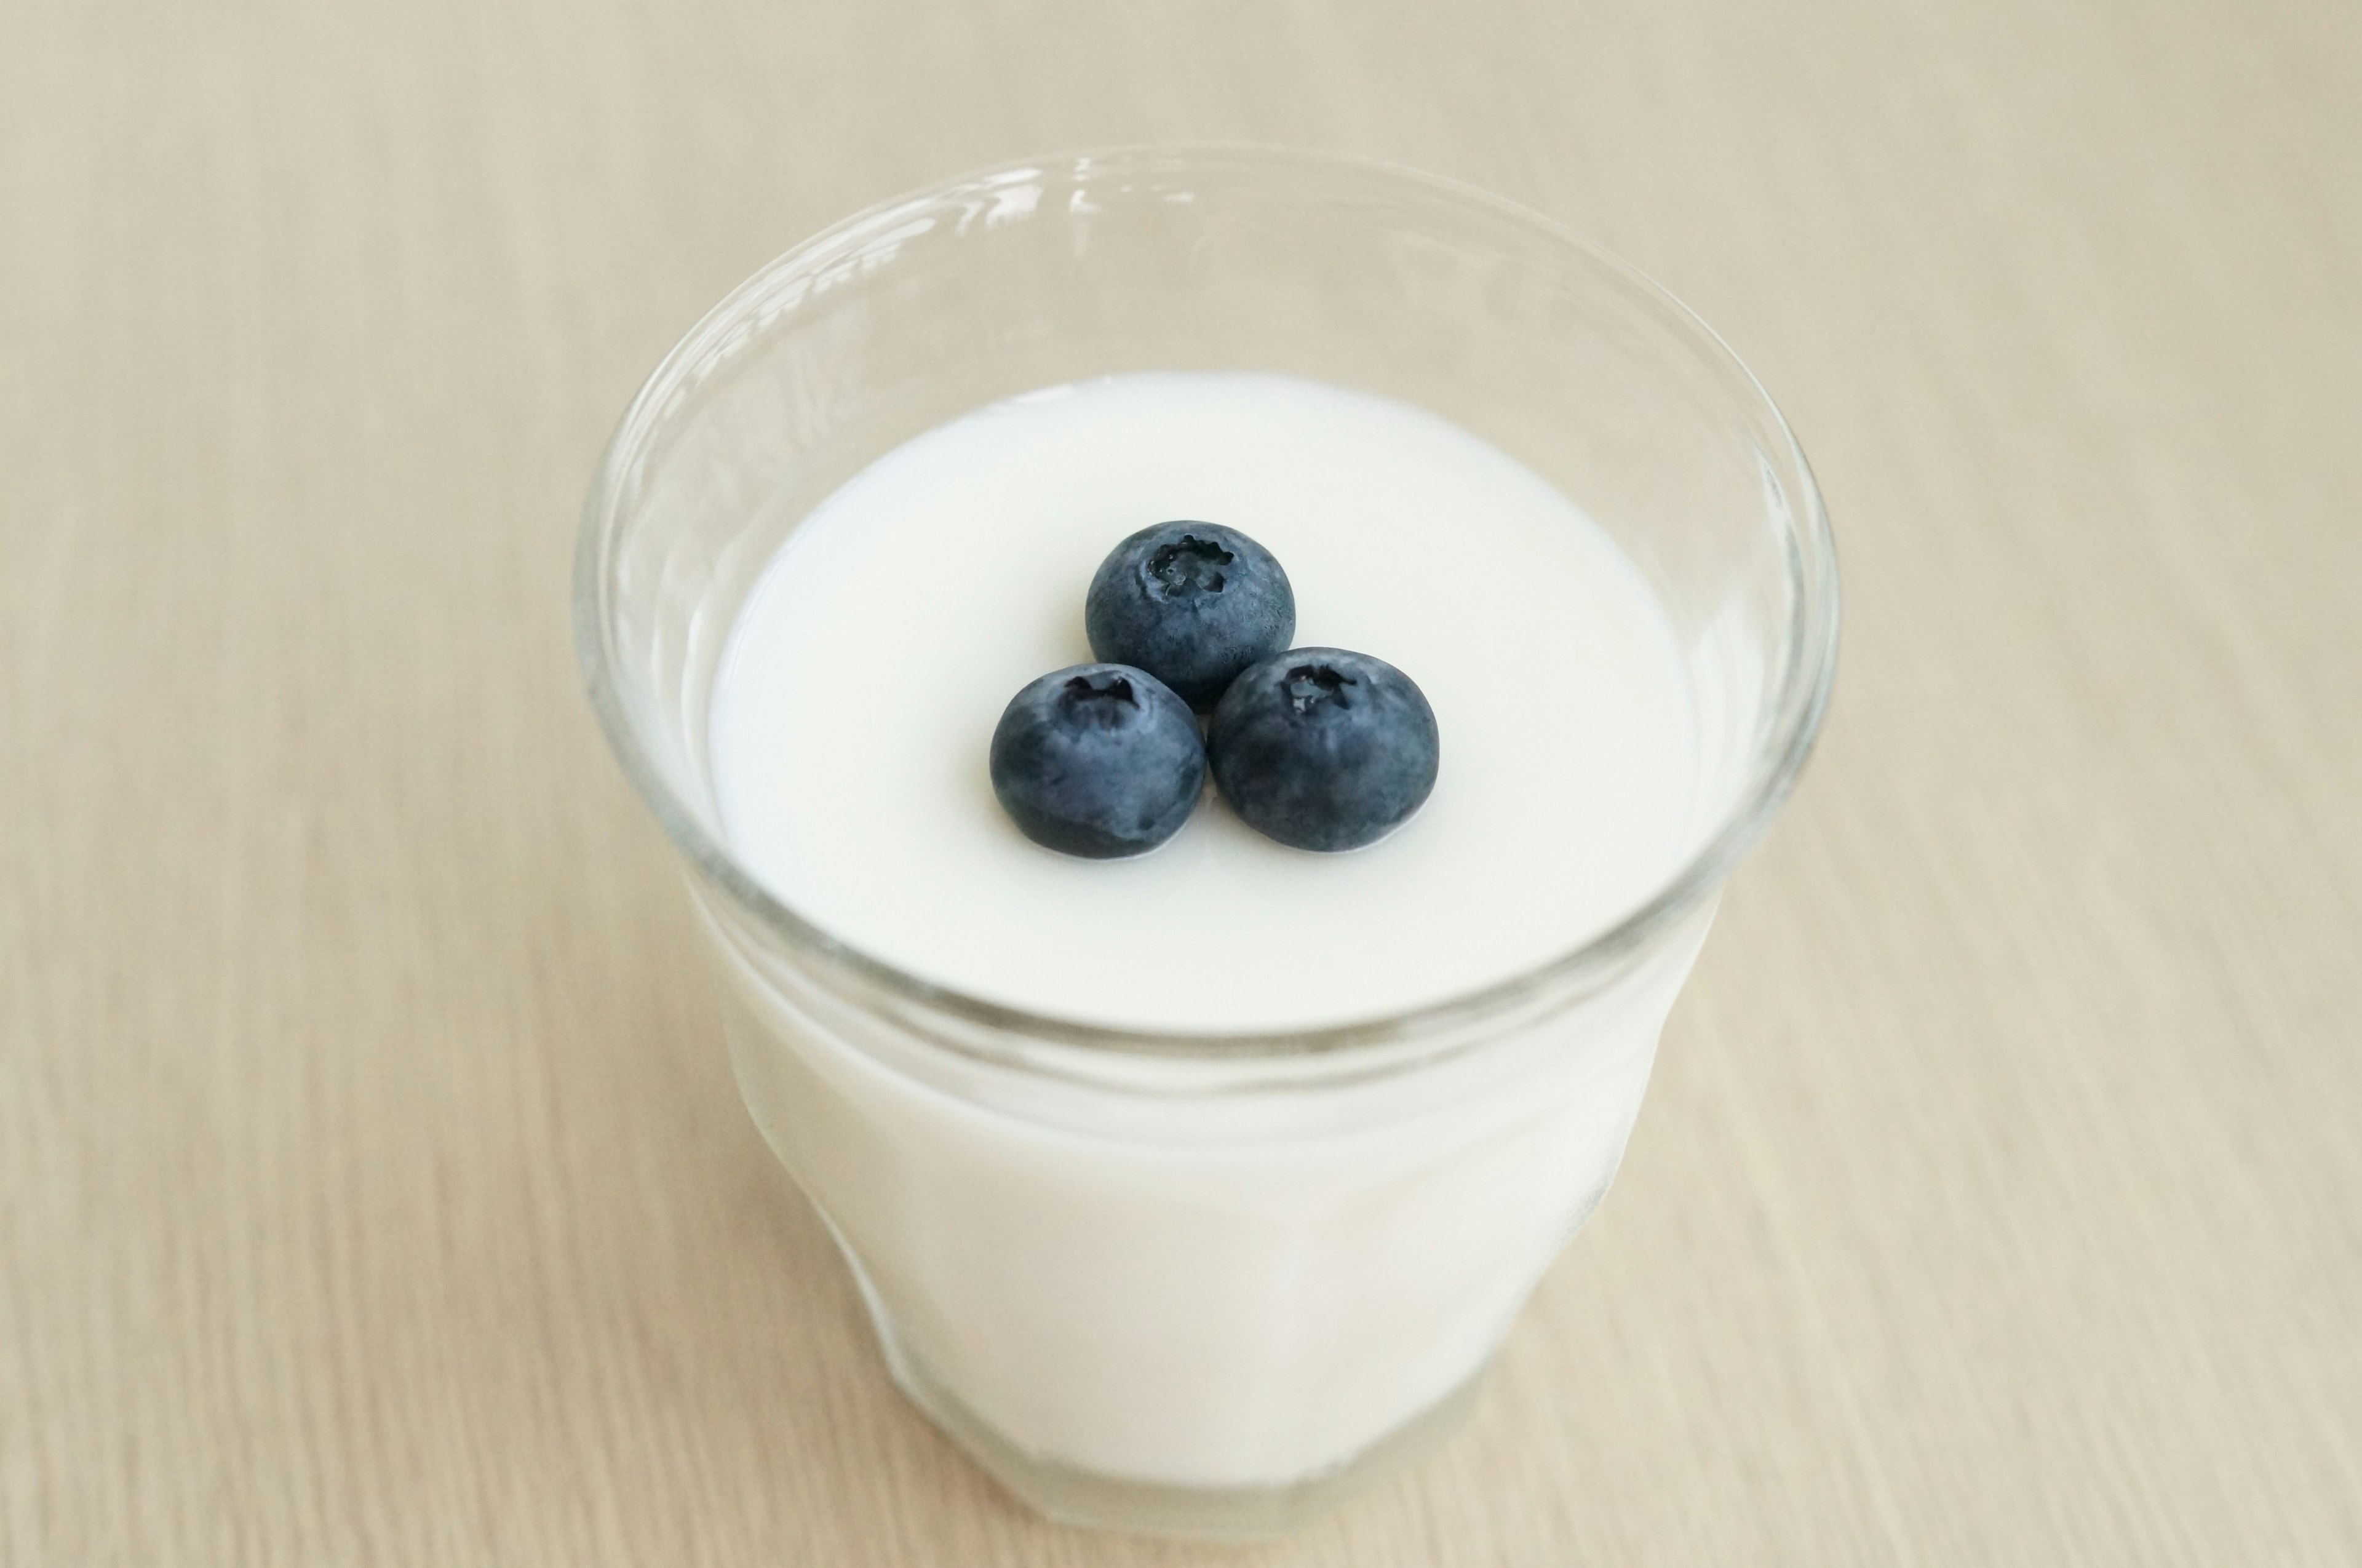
column 1249, row 1289
column 858, row 699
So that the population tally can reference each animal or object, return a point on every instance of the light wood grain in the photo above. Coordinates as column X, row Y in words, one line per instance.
column 372, row 1188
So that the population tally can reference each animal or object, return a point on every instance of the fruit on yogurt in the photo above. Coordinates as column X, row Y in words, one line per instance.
column 1100, row 760
column 1324, row 749
column 1192, row 603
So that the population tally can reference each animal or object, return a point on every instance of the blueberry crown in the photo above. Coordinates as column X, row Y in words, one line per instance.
column 1187, row 567
column 1311, row 686
column 1096, row 699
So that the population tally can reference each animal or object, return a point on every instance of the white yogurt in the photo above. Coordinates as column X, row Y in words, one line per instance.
column 1233, row 1291
column 857, row 697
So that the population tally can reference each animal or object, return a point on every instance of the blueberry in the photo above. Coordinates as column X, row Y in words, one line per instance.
column 1098, row 760
column 1324, row 749
column 1192, row 603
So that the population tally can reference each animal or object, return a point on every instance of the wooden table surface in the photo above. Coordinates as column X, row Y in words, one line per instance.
column 372, row 1186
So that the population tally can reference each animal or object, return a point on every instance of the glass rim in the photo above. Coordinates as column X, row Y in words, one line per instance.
column 1800, row 695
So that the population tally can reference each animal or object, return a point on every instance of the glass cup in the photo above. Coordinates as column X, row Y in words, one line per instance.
column 1188, row 1283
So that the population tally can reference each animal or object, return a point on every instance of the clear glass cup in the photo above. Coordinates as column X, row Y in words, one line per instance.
column 1183, row 1284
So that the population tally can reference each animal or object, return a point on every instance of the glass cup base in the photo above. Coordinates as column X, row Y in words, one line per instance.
column 1090, row 1500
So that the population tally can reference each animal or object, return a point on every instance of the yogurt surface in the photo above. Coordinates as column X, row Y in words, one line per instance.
column 857, row 695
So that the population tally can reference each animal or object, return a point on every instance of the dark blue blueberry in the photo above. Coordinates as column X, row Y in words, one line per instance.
column 1324, row 749
column 1192, row 603
column 1098, row 760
